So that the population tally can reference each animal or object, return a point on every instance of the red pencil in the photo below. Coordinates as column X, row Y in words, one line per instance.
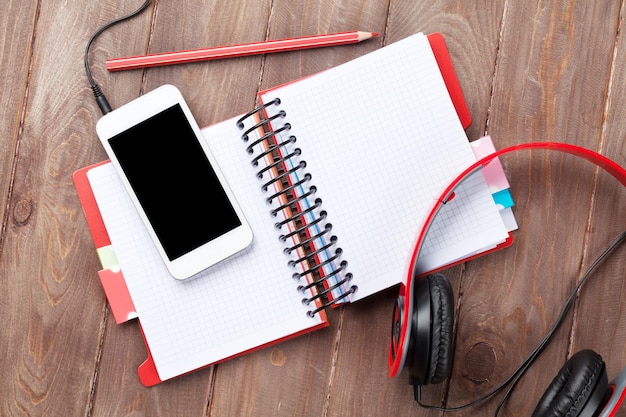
column 232, row 51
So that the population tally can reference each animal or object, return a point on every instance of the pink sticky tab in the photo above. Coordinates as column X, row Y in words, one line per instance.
column 117, row 294
column 493, row 172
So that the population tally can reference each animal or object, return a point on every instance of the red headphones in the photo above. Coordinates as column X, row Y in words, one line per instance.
column 421, row 337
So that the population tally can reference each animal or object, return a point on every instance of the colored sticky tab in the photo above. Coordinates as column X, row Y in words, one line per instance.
column 493, row 172
column 496, row 181
column 107, row 256
column 117, row 294
column 509, row 219
column 503, row 199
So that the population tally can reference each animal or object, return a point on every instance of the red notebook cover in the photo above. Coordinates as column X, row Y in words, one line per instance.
column 449, row 77
column 113, row 281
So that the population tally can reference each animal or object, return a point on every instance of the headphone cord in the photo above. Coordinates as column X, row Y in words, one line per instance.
column 521, row 369
column 98, row 94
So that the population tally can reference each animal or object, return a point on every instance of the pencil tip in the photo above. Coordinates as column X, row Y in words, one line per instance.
column 366, row 35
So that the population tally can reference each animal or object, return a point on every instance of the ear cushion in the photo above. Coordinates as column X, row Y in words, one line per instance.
column 442, row 322
column 578, row 390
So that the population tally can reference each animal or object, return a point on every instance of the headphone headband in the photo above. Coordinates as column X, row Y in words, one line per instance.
column 402, row 321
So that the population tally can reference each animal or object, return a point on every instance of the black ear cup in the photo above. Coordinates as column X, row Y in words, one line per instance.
column 442, row 310
column 580, row 389
column 431, row 344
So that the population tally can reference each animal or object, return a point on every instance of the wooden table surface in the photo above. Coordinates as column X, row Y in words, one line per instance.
column 533, row 70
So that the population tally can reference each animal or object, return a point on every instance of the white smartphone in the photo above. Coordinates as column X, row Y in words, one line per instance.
column 174, row 181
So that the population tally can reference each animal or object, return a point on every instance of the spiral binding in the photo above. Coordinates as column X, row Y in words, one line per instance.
column 319, row 289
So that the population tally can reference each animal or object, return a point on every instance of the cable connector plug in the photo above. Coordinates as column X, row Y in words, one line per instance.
column 102, row 101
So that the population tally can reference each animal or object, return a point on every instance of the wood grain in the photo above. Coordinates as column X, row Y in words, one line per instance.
column 538, row 98
column 19, row 21
column 531, row 71
column 600, row 315
column 48, row 301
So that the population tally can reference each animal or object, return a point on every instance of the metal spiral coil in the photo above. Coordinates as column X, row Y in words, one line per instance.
column 308, row 226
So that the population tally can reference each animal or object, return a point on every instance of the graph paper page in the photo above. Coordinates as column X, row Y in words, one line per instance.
column 246, row 301
column 381, row 139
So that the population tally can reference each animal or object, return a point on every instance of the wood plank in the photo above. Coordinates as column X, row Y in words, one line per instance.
column 601, row 315
column 18, row 19
column 550, row 82
column 48, row 301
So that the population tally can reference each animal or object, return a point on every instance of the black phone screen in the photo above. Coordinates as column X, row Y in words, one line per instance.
column 174, row 182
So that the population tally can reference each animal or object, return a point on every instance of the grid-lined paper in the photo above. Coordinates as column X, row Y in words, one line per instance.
column 239, row 304
column 381, row 139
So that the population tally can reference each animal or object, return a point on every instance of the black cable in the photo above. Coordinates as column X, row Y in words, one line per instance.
column 100, row 98
column 521, row 369
column 528, row 362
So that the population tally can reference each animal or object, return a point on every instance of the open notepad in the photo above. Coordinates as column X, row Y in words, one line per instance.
column 360, row 151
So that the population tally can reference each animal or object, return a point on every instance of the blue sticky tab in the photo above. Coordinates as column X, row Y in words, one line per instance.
column 503, row 198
